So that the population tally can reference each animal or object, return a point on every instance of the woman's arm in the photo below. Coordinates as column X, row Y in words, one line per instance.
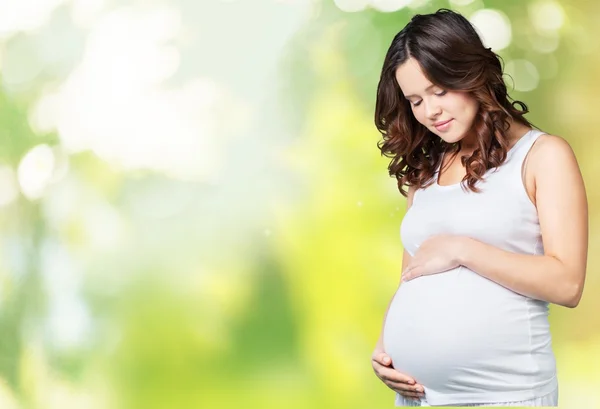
column 558, row 276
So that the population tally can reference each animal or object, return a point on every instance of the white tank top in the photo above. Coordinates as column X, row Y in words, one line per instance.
column 465, row 338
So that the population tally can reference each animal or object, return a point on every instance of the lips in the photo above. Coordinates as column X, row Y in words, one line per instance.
column 444, row 126
column 442, row 123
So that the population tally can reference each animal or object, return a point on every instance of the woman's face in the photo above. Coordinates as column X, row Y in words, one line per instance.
column 448, row 114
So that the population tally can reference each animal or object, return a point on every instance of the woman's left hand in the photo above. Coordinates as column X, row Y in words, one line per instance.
column 435, row 255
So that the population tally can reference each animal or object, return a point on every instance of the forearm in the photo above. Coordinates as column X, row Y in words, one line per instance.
column 541, row 277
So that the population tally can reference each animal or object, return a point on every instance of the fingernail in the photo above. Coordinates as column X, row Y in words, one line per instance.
column 386, row 360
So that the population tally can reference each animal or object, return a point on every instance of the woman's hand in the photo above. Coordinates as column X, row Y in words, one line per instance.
column 435, row 255
column 396, row 381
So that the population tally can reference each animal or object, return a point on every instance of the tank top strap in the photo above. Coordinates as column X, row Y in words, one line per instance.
column 513, row 168
column 523, row 146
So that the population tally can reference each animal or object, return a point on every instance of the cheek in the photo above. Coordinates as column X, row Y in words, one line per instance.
column 419, row 116
column 466, row 107
column 471, row 112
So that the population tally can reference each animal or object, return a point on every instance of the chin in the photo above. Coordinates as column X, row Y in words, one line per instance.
column 452, row 137
column 449, row 139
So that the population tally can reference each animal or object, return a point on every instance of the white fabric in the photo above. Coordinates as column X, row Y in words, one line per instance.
column 465, row 338
column 548, row 400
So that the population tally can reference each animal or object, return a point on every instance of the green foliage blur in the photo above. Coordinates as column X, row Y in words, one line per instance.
column 194, row 212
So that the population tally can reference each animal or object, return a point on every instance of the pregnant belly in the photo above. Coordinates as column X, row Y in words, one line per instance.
column 446, row 330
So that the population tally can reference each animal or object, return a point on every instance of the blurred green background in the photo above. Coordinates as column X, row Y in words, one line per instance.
column 193, row 209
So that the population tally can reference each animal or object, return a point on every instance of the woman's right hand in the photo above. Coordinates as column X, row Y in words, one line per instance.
column 398, row 382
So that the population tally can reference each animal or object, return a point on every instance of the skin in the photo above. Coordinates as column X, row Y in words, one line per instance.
column 557, row 276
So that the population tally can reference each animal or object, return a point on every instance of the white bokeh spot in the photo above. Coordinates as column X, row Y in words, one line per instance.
column 525, row 74
column 351, row 6
column 25, row 15
column 389, row 6
column 494, row 28
column 35, row 171
column 546, row 15
column 114, row 102
column 461, row 2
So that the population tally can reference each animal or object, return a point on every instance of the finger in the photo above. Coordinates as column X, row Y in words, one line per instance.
column 400, row 386
column 384, row 359
column 391, row 375
column 408, row 273
column 414, row 273
column 378, row 366
column 410, row 394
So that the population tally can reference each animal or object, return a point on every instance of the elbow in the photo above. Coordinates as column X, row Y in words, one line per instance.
column 571, row 304
column 574, row 296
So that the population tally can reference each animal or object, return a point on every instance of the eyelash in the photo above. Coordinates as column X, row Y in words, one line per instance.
column 439, row 95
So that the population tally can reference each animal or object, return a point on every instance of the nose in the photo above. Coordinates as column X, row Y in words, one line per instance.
column 432, row 109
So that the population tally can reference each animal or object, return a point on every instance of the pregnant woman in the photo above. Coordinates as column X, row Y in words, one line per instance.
column 496, row 226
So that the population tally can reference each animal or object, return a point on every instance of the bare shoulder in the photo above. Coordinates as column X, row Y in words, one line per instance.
column 551, row 152
column 549, row 162
column 554, row 163
column 549, row 146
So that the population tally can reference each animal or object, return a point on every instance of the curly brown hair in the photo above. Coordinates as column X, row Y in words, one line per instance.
column 453, row 57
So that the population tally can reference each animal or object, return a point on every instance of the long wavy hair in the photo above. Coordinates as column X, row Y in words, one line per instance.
column 453, row 57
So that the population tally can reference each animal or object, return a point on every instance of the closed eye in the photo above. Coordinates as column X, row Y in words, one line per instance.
column 439, row 94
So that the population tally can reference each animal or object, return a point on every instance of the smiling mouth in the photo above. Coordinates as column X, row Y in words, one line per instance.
column 442, row 123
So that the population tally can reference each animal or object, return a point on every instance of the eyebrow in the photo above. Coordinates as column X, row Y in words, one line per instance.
column 426, row 89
